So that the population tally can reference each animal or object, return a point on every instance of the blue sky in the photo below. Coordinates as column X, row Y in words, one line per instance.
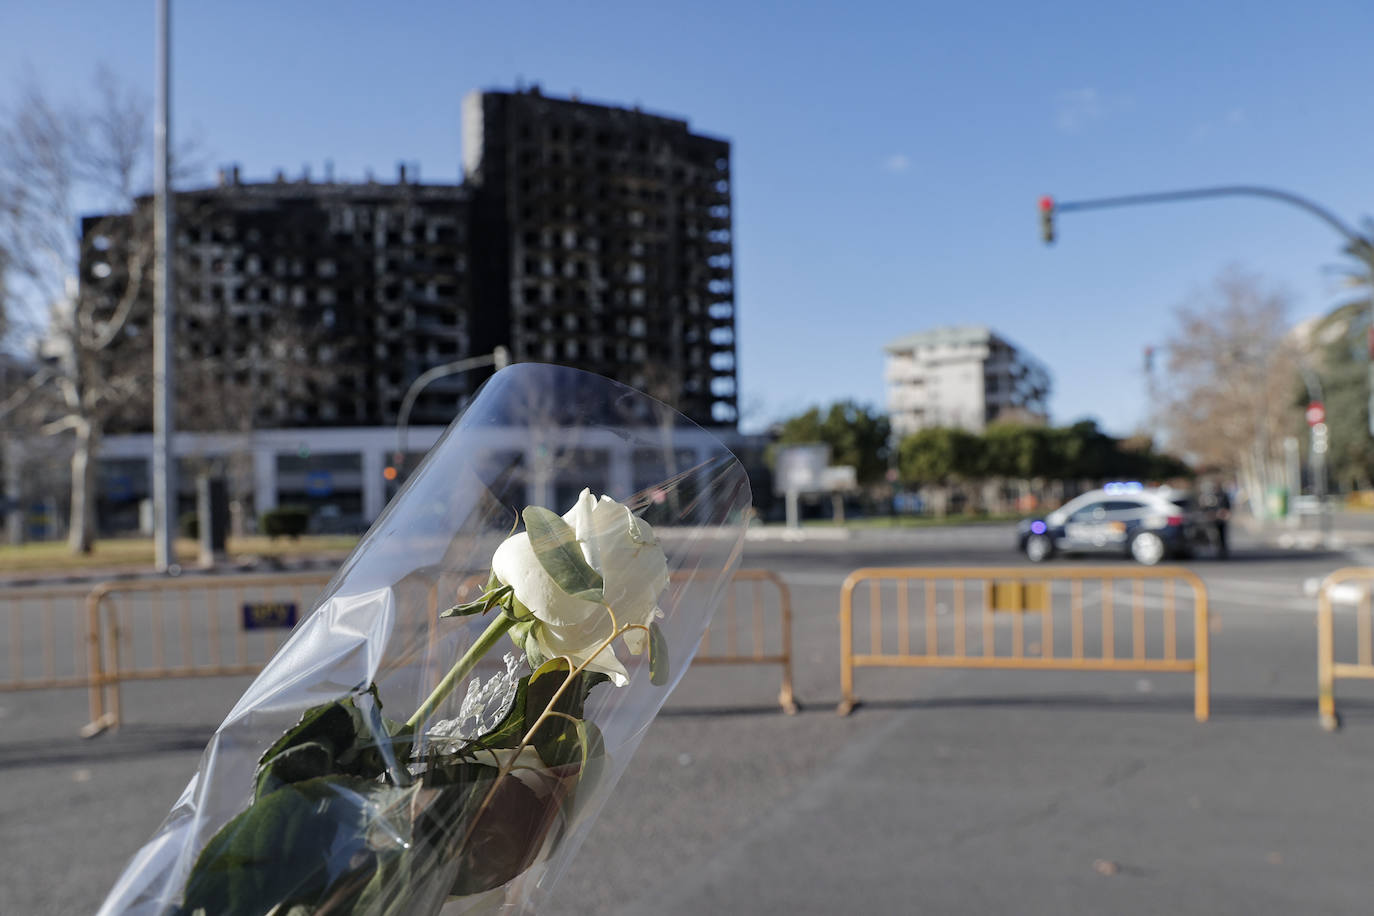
column 887, row 156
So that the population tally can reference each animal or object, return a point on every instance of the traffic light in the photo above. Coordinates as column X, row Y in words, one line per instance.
column 1047, row 219
column 1319, row 443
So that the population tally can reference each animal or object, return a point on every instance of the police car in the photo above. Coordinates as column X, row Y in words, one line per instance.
column 1147, row 525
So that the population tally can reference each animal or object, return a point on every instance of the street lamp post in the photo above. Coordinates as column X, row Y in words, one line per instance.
column 164, row 302
column 1357, row 245
column 499, row 358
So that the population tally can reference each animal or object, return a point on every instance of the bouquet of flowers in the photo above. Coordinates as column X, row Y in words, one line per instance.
column 392, row 759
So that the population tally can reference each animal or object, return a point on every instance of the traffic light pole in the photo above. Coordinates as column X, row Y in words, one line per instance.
column 1317, row 445
column 1357, row 245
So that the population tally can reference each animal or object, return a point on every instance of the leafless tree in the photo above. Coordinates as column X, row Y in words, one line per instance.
column 233, row 390
column 1228, row 399
column 55, row 161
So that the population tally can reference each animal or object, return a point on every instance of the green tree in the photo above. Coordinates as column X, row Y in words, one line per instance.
column 1016, row 451
column 857, row 436
column 1081, row 452
column 941, row 455
column 1337, row 346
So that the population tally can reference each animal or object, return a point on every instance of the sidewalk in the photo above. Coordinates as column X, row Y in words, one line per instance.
column 1347, row 531
column 323, row 562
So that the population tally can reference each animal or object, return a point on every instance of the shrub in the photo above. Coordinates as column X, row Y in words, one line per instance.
column 284, row 521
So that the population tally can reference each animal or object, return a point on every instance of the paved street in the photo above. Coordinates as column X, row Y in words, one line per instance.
column 948, row 791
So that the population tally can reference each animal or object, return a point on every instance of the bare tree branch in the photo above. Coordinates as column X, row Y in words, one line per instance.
column 55, row 160
column 1228, row 400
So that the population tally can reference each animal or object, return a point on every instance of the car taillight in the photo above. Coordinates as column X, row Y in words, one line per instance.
column 1175, row 521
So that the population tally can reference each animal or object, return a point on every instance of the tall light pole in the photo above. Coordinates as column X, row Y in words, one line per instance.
column 164, row 301
column 498, row 358
column 1357, row 245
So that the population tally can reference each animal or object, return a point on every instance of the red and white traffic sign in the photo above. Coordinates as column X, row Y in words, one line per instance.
column 1316, row 413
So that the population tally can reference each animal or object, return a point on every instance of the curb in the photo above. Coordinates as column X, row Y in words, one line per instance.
column 256, row 566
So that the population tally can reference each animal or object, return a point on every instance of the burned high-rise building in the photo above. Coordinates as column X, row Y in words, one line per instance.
column 366, row 283
column 306, row 304
column 585, row 235
column 602, row 240
column 306, row 309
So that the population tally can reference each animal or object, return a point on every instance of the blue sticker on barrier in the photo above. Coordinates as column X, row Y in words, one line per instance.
column 269, row 615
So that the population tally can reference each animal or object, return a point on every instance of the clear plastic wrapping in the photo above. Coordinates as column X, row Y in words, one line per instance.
column 440, row 732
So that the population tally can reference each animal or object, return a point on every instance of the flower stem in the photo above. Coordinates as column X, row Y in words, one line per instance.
column 495, row 630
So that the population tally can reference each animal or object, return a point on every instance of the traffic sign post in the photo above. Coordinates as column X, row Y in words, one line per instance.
column 1319, row 446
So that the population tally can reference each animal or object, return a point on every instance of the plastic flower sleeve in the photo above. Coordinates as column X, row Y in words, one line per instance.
column 440, row 732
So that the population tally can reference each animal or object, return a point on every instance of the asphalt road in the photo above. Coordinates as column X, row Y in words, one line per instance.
column 948, row 791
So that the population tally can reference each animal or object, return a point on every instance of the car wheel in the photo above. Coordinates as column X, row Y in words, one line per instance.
column 1147, row 548
column 1039, row 548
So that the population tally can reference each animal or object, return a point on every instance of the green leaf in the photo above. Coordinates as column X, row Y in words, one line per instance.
column 555, row 546
column 332, row 738
column 503, row 822
column 658, row 655
column 308, row 748
column 594, row 758
column 291, row 848
column 483, row 603
column 522, row 634
column 490, row 829
column 533, row 695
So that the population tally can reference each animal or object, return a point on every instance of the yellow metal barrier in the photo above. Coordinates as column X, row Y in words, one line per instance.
column 215, row 626
column 1328, row 669
column 52, row 642
column 1046, row 612
column 154, row 629
column 725, row 628
column 210, row 626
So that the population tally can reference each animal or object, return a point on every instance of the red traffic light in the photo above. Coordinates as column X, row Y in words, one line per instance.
column 1316, row 413
column 1047, row 219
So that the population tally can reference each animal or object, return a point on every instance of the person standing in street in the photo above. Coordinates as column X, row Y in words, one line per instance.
column 1216, row 507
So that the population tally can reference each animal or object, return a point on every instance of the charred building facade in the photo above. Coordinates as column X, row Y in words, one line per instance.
column 585, row 235
column 337, row 295
column 602, row 240
column 305, row 304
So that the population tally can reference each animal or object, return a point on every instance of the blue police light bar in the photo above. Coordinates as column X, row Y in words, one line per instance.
column 1124, row 486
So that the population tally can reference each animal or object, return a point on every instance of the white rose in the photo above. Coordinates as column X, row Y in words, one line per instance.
column 623, row 549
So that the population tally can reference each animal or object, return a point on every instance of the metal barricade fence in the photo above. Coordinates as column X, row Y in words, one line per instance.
column 1358, row 580
column 204, row 626
column 212, row 626
column 726, row 642
column 1026, row 618
column 50, row 642
column 218, row 626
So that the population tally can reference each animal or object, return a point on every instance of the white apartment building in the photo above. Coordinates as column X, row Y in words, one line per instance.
column 962, row 376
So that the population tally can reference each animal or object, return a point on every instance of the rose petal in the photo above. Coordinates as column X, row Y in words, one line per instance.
column 515, row 564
